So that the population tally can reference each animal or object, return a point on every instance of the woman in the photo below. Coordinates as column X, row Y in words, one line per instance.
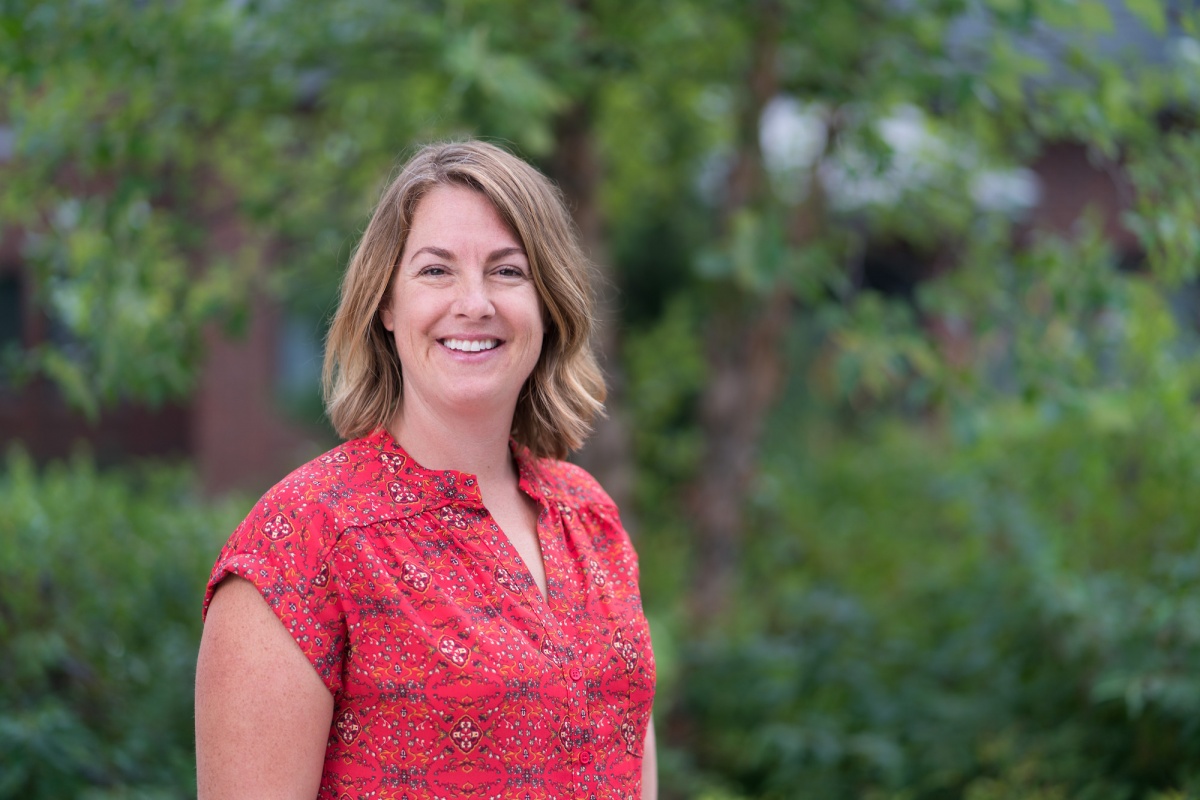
column 439, row 607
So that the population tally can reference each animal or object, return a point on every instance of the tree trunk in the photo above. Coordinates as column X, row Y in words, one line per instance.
column 743, row 345
column 745, row 371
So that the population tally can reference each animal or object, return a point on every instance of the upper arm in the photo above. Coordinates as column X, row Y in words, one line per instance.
column 262, row 712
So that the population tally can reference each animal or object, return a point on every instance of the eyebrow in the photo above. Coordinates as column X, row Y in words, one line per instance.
column 495, row 255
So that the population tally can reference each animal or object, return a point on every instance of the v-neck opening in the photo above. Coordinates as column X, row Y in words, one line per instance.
column 516, row 553
column 528, row 485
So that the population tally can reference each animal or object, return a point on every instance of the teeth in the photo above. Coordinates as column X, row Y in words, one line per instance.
column 473, row 346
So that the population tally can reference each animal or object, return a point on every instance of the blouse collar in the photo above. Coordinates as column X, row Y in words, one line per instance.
column 416, row 488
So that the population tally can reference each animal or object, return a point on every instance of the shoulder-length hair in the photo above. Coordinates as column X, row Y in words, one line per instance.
column 363, row 377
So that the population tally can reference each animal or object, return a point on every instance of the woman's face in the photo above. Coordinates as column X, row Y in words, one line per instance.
column 463, row 308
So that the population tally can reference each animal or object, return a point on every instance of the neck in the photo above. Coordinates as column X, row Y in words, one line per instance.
column 475, row 445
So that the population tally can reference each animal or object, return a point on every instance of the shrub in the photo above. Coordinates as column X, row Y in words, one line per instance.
column 1009, row 616
column 101, row 577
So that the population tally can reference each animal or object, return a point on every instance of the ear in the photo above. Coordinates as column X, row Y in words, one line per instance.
column 385, row 311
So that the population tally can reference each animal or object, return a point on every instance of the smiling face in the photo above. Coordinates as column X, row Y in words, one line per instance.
column 463, row 309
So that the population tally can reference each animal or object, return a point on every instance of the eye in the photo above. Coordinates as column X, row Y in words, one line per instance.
column 432, row 271
column 511, row 272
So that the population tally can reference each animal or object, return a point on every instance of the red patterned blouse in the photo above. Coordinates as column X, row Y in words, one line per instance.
column 452, row 676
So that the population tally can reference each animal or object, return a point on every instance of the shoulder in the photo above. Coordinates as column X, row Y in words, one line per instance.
column 571, row 485
column 289, row 535
column 590, row 517
column 337, row 490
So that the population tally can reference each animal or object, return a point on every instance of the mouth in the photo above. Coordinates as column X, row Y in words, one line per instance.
column 470, row 345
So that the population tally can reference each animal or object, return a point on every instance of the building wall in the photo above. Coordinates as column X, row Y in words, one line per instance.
column 232, row 428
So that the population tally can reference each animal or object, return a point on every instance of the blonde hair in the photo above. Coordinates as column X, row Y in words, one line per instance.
column 363, row 378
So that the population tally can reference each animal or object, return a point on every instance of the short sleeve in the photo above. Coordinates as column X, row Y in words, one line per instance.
column 286, row 549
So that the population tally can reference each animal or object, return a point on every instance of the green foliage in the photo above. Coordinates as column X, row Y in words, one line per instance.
column 1015, row 617
column 997, row 604
column 99, row 624
column 972, row 568
column 1166, row 178
column 138, row 132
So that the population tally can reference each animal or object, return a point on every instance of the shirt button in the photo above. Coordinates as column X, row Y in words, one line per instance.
column 576, row 673
column 585, row 757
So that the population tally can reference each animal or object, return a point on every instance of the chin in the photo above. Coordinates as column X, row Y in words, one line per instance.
column 469, row 403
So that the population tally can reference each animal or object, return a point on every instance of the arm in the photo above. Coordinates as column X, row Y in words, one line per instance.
column 650, row 765
column 262, row 712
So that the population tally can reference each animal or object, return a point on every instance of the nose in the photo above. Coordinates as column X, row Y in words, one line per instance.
column 473, row 299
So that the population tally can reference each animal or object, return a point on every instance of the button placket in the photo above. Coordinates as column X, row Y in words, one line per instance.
column 551, row 614
column 578, row 691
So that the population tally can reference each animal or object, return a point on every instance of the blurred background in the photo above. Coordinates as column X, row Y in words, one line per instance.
column 900, row 313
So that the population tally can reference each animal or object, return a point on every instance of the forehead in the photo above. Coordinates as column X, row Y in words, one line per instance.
column 451, row 215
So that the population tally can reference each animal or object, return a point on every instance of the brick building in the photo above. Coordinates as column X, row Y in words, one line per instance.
column 233, row 427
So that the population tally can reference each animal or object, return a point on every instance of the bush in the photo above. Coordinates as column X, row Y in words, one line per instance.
column 967, row 579
column 101, row 577
column 1008, row 615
